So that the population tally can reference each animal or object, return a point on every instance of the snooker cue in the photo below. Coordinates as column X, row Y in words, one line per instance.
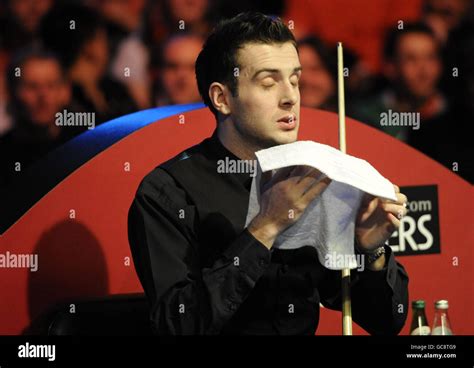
column 346, row 272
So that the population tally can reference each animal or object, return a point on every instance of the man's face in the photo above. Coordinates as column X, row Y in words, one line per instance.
column 266, row 110
column 42, row 91
column 179, row 80
column 418, row 66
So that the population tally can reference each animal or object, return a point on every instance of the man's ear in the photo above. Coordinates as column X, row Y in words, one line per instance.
column 220, row 95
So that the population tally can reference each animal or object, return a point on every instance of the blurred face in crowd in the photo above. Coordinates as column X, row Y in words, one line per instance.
column 42, row 90
column 445, row 13
column 316, row 84
column 191, row 11
column 29, row 12
column 92, row 61
column 266, row 110
column 124, row 12
column 179, row 81
column 417, row 65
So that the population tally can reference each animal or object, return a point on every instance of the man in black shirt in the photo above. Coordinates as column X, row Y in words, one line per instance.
column 202, row 271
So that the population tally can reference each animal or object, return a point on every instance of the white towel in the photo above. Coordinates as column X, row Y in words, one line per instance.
column 328, row 223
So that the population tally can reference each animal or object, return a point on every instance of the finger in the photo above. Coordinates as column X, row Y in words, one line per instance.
column 300, row 170
column 310, row 174
column 309, row 181
column 401, row 198
column 393, row 224
column 369, row 209
column 395, row 209
column 366, row 199
column 268, row 180
column 316, row 188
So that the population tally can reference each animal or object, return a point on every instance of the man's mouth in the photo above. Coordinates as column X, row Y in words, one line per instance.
column 287, row 122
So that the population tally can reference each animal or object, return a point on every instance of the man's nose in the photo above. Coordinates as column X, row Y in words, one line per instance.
column 290, row 95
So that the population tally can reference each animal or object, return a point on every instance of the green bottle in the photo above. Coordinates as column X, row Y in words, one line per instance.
column 419, row 323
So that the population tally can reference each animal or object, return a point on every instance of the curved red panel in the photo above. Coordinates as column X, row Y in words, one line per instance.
column 79, row 229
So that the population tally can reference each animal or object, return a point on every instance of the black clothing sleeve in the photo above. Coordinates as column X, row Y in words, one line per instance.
column 186, row 298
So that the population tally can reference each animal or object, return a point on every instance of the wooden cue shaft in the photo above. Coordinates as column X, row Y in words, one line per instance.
column 346, row 272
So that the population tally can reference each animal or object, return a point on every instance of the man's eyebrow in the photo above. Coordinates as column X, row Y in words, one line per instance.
column 269, row 70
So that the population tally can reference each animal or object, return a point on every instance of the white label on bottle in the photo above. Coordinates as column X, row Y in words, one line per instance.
column 422, row 330
column 440, row 330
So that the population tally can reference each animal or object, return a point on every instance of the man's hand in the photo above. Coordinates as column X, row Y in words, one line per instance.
column 378, row 219
column 284, row 199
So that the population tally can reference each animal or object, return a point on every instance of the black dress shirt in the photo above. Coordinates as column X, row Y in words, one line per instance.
column 204, row 273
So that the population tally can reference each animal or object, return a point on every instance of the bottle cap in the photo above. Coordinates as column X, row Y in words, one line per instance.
column 441, row 304
column 418, row 304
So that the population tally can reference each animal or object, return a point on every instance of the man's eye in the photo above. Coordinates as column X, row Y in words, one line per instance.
column 294, row 81
column 268, row 85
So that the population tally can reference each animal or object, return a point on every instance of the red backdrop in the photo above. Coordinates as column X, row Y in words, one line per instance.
column 88, row 255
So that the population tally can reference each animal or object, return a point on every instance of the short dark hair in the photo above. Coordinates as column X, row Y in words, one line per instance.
column 394, row 35
column 218, row 57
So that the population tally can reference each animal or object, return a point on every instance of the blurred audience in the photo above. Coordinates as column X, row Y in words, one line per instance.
column 113, row 57
column 130, row 55
column 167, row 17
column 442, row 16
column 178, row 80
column 38, row 91
column 358, row 24
column 318, row 83
column 77, row 34
column 413, row 69
column 19, row 21
column 448, row 142
column 19, row 24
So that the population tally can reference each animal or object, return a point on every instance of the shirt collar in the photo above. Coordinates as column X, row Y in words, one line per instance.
column 218, row 151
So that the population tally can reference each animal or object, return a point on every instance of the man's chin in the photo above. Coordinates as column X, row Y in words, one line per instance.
column 285, row 137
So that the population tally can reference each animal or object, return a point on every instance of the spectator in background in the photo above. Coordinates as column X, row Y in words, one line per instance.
column 37, row 94
column 19, row 23
column 413, row 68
column 318, row 84
column 453, row 24
column 168, row 17
column 442, row 16
column 130, row 57
column 84, row 53
column 178, row 81
column 456, row 19
column 195, row 15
